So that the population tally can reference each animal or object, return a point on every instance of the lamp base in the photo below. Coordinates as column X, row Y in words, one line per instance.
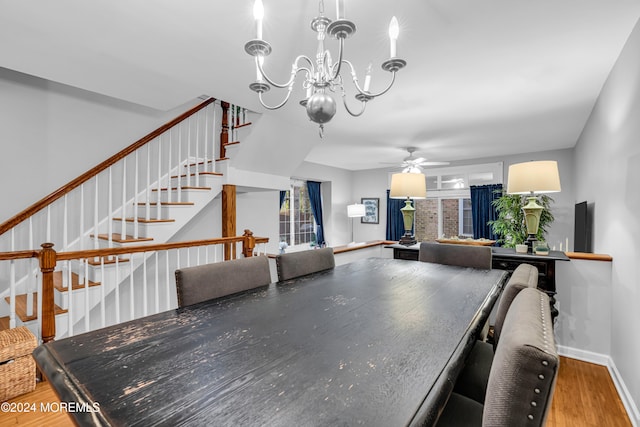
column 531, row 243
column 408, row 239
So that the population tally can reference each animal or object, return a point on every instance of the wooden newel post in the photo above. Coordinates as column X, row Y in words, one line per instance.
column 224, row 132
column 47, row 266
column 249, row 243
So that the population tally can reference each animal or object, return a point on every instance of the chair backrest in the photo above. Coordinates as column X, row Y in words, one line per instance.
column 296, row 264
column 208, row 281
column 525, row 366
column 524, row 276
column 460, row 255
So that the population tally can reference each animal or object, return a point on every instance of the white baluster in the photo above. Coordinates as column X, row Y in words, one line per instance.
column 131, row 290
column 95, row 216
column 123, row 222
column 189, row 152
column 213, row 137
column 145, row 299
column 206, row 139
column 147, row 187
column 167, row 280
column 197, row 150
column 84, row 266
column 12, row 286
column 136, row 186
column 117, row 290
column 169, row 169
column 32, row 279
column 81, row 222
column 180, row 169
column 110, row 210
column 64, row 240
column 70, row 305
column 159, row 186
column 103, row 284
column 157, row 284
column 48, row 223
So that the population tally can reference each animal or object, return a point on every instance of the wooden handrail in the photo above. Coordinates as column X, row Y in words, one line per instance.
column 48, row 259
column 57, row 194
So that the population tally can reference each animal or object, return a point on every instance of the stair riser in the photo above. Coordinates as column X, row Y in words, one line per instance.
column 200, row 181
column 179, row 195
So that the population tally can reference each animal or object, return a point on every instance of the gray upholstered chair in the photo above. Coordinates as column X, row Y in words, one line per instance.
column 474, row 377
column 296, row 264
column 460, row 255
column 208, row 281
column 523, row 375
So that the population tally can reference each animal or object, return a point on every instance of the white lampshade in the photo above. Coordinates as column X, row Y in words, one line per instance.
column 413, row 185
column 533, row 177
column 356, row 210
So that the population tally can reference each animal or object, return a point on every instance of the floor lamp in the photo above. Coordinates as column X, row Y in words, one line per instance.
column 533, row 178
column 356, row 210
column 408, row 186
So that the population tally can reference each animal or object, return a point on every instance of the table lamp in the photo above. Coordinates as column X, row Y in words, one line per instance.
column 533, row 178
column 356, row 210
column 410, row 186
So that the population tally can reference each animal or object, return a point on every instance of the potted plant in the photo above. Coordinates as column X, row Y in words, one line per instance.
column 510, row 226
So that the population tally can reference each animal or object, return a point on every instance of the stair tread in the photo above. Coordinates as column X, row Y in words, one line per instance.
column 108, row 261
column 146, row 221
column 75, row 282
column 167, row 203
column 231, row 143
column 184, row 175
column 118, row 238
column 197, row 164
column 21, row 307
column 190, row 187
column 5, row 323
column 242, row 125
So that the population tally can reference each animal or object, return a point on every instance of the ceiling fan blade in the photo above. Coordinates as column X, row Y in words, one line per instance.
column 433, row 163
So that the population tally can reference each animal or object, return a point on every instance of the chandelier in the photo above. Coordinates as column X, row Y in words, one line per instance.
column 322, row 75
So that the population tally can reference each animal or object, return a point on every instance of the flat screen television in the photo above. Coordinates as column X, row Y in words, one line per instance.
column 582, row 228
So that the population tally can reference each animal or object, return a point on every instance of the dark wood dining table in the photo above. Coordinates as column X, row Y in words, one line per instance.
column 377, row 342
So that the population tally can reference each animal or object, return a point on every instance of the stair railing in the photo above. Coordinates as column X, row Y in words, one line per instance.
column 110, row 201
column 150, row 287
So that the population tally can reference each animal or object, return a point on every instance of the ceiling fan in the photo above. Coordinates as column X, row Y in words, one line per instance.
column 415, row 164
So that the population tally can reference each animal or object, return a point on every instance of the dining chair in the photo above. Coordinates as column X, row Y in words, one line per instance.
column 472, row 381
column 460, row 255
column 523, row 375
column 296, row 264
column 208, row 281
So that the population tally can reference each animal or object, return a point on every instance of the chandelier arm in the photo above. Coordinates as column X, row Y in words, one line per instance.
column 268, row 107
column 375, row 95
column 338, row 64
column 346, row 107
column 294, row 71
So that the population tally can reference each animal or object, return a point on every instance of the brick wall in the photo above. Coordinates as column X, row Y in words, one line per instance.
column 426, row 219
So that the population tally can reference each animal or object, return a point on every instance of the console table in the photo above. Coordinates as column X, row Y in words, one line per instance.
column 507, row 259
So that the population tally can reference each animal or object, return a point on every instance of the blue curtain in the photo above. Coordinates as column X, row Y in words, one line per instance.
column 482, row 209
column 395, row 224
column 283, row 197
column 315, row 198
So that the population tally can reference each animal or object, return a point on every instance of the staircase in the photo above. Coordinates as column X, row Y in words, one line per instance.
column 141, row 196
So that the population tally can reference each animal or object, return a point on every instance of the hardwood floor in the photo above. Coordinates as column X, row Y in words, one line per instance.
column 585, row 396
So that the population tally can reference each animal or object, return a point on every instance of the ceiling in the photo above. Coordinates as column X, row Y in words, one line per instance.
column 484, row 78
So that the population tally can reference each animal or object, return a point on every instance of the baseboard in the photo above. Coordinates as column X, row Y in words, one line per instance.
column 605, row 360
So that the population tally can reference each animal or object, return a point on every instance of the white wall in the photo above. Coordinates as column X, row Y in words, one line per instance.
column 52, row 133
column 607, row 174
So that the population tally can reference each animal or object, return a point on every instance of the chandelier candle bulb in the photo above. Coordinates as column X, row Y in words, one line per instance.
column 258, row 14
column 367, row 79
column 340, row 9
column 394, row 30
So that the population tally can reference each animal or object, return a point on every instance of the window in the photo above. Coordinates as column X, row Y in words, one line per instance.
column 297, row 225
column 447, row 210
